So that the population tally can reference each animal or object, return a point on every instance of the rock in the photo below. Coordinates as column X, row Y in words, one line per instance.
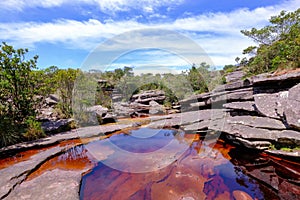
column 292, row 108
column 155, row 108
column 58, row 184
column 247, row 132
column 240, row 195
column 289, row 138
column 244, row 105
column 229, row 96
column 257, row 122
column 203, row 125
column 260, row 145
column 237, row 84
column 121, row 109
column 295, row 156
column 139, row 107
column 52, row 100
column 282, row 103
column 181, row 119
column 266, row 104
column 54, row 97
column 61, row 125
column 147, row 96
column 47, row 114
column 98, row 110
column 269, row 79
column 234, row 76
column 11, row 176
column 109, row 118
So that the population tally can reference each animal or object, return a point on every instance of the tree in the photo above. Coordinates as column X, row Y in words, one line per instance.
column 17, row 89
column 198, row 77
column 278, row 44
column 65, row 80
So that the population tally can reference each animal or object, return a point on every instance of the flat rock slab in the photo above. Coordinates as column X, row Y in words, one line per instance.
column 244, row 105
column 73, row 134
column 12, row 178
column 186, row 118
column 258, row 80
column 15, row 174
column 257, row 122
column 266, row 104
column 51, row 185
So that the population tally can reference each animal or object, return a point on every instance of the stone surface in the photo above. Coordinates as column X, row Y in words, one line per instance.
column 122, row 109
column 57, row 126
column 235, row 95
column 98, row 109
column 292, row 108
column 244, row 105
column 155, row 108
column 185, row 118
column 13, row 175
column 234, row 76
column 147, row 96
column 257, row 122
column 260, row 145
column 266, row 104
column 269, row 79
column 293, row 155
column 203, row 125
column 51, row 185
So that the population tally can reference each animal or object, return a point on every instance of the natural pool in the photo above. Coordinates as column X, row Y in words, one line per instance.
column 175, row 165
column 163, row 164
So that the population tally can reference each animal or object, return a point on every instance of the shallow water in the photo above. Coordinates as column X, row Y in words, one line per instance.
column 168, row 164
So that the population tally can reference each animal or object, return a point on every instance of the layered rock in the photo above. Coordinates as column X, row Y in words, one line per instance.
column 258, row 113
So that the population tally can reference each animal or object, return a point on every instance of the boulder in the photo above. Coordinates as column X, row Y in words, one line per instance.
column 61, row 125
column 292, row 107
column 122, row 109
column 53, row 99
column 98, row 110
column 155, row 108
column 147, row 96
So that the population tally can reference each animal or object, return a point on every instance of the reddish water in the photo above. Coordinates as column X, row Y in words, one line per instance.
column 169, row 164
column 225, row 173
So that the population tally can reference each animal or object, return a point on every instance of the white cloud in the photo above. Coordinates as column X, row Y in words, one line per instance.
column 218, row 33
column 104, row 5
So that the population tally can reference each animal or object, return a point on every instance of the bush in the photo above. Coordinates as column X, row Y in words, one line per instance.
column 34, row 130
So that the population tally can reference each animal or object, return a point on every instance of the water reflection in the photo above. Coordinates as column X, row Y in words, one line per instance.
column 142, row 150
column 193, row 175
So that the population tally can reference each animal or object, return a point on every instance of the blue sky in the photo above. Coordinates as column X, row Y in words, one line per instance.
column 66, row 33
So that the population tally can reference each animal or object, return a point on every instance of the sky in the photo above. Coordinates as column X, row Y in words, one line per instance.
column 144, row 34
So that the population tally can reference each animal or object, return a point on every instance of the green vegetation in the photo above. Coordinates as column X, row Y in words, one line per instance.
column 278, row 45
column 17, row 89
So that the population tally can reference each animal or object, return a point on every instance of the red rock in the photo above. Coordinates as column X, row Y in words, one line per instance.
column 240, row 195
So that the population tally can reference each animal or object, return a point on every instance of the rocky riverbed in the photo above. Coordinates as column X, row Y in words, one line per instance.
column 259, row 115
